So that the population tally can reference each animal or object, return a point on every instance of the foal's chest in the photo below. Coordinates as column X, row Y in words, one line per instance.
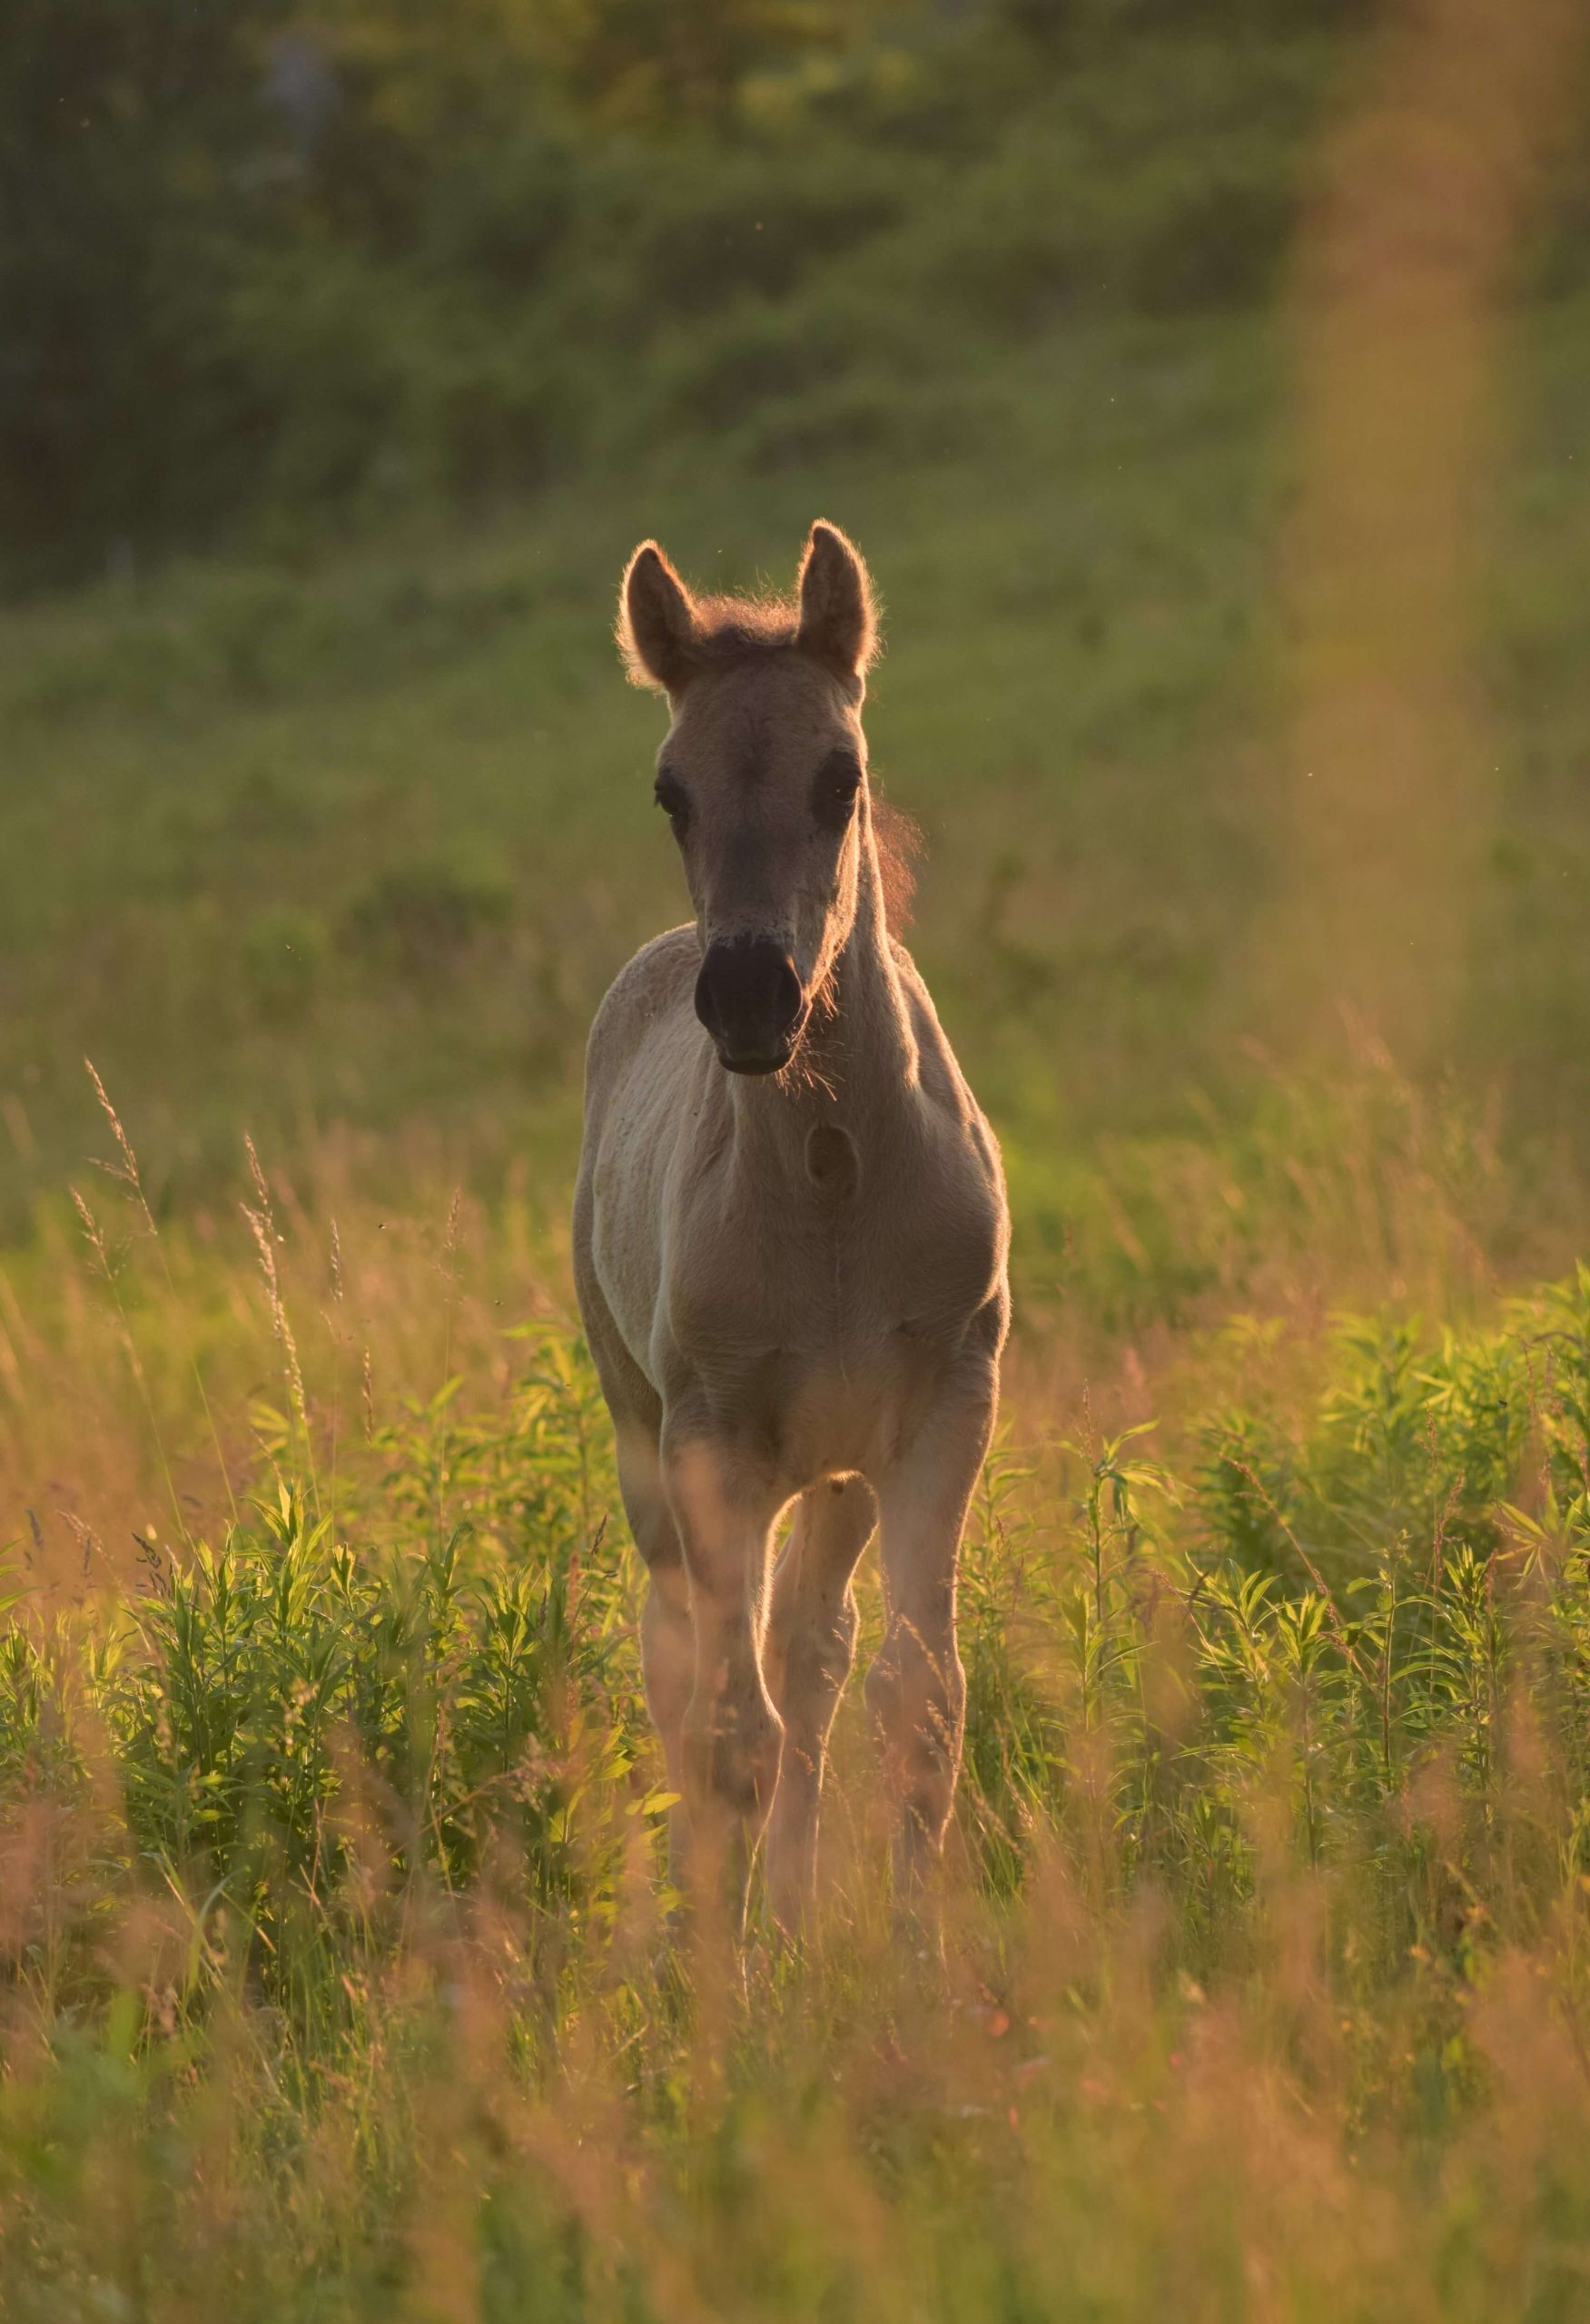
column 819, row 1326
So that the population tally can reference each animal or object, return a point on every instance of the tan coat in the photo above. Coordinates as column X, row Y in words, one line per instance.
column 792, row 1272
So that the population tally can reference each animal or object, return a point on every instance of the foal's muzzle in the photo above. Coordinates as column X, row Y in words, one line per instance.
column 749, row 998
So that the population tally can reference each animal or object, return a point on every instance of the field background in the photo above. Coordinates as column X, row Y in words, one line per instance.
column 1205, row 385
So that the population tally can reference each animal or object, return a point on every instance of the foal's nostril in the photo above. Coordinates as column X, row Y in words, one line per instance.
column 784, row 1001
column 748, row 996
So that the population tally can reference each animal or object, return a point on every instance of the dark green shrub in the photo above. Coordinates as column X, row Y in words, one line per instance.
column 757, row 223
column 285, row 950
column 1219, row 247
column 420, row 919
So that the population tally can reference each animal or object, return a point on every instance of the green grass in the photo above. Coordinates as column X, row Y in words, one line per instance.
column 246, row 746
column 337, row 1984
column 366, row 845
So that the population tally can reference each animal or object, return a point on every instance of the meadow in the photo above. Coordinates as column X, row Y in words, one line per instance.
column 335, row 1974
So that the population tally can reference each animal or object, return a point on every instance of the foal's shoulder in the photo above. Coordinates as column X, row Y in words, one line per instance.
column 657, row 968
column 659, row 975
column 652, row 980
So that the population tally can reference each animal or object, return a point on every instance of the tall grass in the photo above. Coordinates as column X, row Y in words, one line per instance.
column 336, row 1977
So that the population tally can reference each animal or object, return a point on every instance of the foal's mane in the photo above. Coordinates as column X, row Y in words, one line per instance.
column 736, row 629
column 899, row 843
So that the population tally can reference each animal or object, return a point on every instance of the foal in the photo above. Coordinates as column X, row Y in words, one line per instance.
column 790, row 1241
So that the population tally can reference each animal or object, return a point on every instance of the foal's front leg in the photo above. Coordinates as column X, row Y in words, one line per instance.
column 917, row 1690
column 732, row 1736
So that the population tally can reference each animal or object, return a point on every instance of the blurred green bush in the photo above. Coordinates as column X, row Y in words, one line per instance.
column 420, row 919
column 285, row 950
column 263, row 273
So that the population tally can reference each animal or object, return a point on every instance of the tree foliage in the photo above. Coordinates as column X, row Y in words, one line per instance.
column 264, row 269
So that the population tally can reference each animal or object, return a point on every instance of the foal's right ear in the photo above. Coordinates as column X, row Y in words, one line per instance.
column 656, row 622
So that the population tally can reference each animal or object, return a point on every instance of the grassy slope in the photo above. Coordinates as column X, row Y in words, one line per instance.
column 1061, row 622
column 245, row 805
column 1077, row 706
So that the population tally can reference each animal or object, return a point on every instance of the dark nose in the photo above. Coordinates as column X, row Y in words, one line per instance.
column 748, row 996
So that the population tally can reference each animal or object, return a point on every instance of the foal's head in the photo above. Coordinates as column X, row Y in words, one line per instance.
column 763, row 776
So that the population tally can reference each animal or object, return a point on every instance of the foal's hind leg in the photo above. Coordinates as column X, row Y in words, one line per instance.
column 811, row 1645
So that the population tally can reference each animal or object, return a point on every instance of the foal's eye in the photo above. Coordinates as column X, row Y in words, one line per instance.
column 673, row 800
column 833, row 795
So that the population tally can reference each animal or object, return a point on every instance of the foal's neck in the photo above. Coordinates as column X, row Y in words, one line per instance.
column 863, row 1044
column 858, row 1058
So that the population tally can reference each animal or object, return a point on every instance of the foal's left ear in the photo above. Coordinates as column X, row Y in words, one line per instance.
column 838, row 626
